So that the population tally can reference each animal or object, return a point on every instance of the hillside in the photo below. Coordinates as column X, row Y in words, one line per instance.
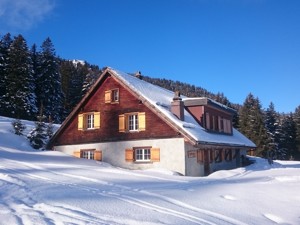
column 46, row 187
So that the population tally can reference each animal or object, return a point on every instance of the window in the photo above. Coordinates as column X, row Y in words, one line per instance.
column 115, row 95
column 132, row 122
column 112, row 96
column 89, row 121
column 221, row 124
column 218, row 155
column 89, row 154
column 228, row 154
column 142, row 154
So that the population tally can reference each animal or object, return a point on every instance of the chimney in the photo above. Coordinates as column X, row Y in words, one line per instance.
column 177, row 106
column 138, row 74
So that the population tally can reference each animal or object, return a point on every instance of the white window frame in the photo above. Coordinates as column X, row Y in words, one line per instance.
column 142, row 154
column 88, row 154
column 133, row 122
column 90, row 121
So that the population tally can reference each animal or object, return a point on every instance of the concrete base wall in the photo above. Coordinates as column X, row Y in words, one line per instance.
column 172, row 154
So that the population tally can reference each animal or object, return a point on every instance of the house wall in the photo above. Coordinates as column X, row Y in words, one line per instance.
column 193, row 168
column 109, row 113
column 172, row 154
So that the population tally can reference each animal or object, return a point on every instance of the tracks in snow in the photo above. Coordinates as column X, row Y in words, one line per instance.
column 142, row 199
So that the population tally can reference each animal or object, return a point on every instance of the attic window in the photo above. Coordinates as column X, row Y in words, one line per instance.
column 112, row 96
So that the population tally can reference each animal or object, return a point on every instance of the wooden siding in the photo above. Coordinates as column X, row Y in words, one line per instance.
column 109, row 130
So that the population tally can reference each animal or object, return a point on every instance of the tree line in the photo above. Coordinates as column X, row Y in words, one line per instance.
column 34, row 80
column 36, row 83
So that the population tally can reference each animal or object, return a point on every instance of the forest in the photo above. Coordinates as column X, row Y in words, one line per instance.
column 38, row 85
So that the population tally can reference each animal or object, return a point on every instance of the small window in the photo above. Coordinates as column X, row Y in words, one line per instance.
column 221, row 124
column 133, row 122
column 228, row 154
column 112, row 96
column 142, row 154
column 87, row 154
column 218, row 155
column 115, row 95
column 90, row 121
column 130, row 122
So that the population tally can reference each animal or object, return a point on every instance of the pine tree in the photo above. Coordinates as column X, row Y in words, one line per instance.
column 252, row 125
column 273, row 129
column 90, row 79
column 18, row 127
column 5, row 42
column 288, row 145
column 49, row 90
column 38, row 136
column 297, row 124
column 20, row 97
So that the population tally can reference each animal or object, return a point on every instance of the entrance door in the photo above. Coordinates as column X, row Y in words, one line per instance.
column 206, row 163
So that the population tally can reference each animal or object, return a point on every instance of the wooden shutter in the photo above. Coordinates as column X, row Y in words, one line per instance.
column 76, row 154
column 107, row 96
column 129, row 157
column 97, row 120
column 98, row 155
column 142, row 121
column 155, row 154
column 200, row 156
column 80, row 122
column 122, row 126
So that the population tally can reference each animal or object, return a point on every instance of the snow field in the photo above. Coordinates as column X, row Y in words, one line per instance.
column 45, row 187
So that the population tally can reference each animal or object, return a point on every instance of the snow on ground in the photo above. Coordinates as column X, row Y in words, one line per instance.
column 46, row 187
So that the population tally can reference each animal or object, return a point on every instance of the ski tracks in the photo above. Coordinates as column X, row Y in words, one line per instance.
column 52, row 214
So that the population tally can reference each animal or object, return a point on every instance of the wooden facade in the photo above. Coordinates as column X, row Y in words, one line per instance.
column 109, row 118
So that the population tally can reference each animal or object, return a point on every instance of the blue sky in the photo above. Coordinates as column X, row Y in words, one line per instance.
column 230, row 46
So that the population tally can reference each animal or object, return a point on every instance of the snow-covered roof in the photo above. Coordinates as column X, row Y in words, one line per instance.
column 161, row 99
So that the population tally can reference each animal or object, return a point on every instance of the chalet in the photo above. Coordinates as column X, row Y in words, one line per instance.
column 130, row 123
